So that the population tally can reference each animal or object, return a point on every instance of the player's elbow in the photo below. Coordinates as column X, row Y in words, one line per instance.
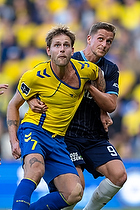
column 111, row 108
column 111, row 103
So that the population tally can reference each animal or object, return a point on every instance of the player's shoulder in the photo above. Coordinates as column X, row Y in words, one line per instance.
column 83, row 63
column 39, row 67
column 85, row 68
column 106, row 62
column 77, row 55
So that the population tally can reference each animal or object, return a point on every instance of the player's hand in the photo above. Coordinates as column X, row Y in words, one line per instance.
column 37, row 105
column 87, row 86
column 3, row 86
column 16, row 151
column 106, row 120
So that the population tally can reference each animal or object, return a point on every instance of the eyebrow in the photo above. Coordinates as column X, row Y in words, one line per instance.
column 103, row 36
column 61, row 42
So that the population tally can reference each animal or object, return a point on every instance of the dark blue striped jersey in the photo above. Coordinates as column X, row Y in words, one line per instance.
column 86, row 122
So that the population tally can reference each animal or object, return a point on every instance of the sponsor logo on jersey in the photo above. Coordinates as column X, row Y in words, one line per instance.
column 74, row 156
column 25, row 89
column 115, row 85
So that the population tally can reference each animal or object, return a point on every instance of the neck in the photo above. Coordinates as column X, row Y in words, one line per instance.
column 61, row 71
column 90, row 56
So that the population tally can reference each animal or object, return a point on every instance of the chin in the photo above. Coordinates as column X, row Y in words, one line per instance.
column 101, row 54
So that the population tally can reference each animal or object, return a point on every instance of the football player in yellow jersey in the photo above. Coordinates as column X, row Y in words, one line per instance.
column 39, row 140
column 44, row 82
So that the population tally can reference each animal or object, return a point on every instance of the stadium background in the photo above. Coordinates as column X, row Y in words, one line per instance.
column 23, row 27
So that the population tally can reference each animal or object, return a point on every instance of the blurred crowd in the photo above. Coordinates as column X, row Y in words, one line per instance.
column 23, row 28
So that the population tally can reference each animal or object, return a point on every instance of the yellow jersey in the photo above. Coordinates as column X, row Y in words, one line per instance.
column 62, row 100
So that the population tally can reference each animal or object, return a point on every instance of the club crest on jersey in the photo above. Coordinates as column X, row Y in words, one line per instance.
column 25, row 89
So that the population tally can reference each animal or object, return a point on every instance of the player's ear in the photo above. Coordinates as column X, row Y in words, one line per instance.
column 72, row 51
column 89, row 39
column 48, row 51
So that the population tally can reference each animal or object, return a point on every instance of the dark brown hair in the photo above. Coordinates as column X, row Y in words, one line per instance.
column 102, row 25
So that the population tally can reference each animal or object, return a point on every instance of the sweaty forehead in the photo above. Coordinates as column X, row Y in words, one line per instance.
column 62, row 38
column 105, row 33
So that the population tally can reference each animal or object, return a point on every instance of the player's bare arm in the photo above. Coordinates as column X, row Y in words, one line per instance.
column 100, row 81
column 13, row 119
column 105, row 101
column 105, row 118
